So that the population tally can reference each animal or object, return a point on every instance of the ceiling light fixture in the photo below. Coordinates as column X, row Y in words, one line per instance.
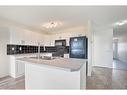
column 121, row 23
column 115, row 38
column 52, row 24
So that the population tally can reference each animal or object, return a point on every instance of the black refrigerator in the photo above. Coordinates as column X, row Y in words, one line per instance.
column 78, row 47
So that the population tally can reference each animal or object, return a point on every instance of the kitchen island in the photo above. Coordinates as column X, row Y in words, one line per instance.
column 55, row 73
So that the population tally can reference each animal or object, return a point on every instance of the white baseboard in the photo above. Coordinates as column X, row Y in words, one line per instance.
column 4, row 75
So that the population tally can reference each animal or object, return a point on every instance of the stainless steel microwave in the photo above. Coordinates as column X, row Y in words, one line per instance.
column 60, row 42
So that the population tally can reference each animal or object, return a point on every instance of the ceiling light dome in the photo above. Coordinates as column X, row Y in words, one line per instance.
column 52, row 24
column 120, row 23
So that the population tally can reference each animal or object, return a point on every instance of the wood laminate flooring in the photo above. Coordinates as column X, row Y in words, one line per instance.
column 105, row 78
column 8, row 83
column 102, row 78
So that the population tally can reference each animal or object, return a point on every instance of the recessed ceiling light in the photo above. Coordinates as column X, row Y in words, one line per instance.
column 115, row 38
column 120, row 23
column 52, row 24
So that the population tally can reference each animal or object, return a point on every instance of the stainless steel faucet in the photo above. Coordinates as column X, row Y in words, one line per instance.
column 39, row 45
column 38, row 55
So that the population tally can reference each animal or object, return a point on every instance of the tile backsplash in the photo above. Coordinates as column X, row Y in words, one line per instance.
column 23, row 49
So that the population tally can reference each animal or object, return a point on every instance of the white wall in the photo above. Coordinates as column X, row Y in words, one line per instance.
column 103, row 50
column 4, row 59
column 90, row 45
column 66, row 34
column 122, row 49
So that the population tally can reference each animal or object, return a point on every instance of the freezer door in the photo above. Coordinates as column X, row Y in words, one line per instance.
column 78, row 47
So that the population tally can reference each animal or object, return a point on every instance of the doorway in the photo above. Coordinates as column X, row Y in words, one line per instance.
column 120, row 48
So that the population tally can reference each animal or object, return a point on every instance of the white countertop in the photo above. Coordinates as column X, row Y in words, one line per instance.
column 68, row 64
column 29, row 54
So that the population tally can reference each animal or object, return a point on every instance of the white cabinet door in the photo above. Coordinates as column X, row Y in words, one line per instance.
column 20, row 70
column 66, row 55
column 17, row 36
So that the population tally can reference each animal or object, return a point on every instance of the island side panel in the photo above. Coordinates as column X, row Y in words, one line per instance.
column 41, row 77
column 83, row 77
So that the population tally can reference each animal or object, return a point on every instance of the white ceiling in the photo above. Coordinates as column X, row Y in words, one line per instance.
column 71, row 16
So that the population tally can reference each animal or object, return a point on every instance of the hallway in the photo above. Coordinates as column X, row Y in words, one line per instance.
column 117, row 64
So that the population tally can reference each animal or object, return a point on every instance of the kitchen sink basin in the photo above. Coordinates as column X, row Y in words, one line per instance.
column 44, row 58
